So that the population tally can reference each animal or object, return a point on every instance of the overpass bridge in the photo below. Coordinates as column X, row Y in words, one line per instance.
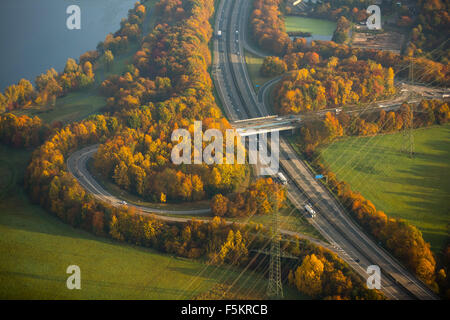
column 254, row 126
column 274, row 123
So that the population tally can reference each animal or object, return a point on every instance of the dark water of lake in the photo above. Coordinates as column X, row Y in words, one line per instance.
column 34, row 36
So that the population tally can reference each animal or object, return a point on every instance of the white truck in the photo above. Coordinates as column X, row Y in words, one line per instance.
column 282, row 178
column 219, row 34
column 310, row 210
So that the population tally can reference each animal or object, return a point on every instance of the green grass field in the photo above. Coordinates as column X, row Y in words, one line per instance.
column 314, row 26
column 36, row 248
column 73, row 107
column 254, row 63
column 417, row 189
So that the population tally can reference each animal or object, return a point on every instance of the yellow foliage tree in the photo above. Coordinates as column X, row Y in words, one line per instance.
column 308, row 277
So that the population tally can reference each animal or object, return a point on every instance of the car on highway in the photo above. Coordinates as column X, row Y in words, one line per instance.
column 124, row 203
column 308, row 208
column 282, row 178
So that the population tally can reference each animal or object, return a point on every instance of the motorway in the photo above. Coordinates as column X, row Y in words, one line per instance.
column 239, row 102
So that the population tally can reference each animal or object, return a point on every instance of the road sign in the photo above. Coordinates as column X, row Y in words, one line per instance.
column 319, row 176
column 257, row 85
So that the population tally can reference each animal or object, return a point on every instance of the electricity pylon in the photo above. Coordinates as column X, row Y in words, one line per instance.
column 275, row 287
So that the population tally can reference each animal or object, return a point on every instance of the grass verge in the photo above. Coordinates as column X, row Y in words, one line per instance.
column 254, row 64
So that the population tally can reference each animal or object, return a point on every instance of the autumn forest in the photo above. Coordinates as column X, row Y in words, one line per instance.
column 154, row 80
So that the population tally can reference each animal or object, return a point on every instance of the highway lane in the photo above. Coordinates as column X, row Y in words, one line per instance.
column 245, row 32
column 352, row 243
column 221, row 70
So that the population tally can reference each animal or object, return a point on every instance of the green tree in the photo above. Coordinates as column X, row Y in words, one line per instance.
column 108, row 59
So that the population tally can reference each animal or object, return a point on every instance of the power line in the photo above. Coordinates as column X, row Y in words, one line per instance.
column 408, row 131
column 275, row 287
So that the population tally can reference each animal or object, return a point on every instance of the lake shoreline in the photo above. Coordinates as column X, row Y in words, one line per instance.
column 38, row 39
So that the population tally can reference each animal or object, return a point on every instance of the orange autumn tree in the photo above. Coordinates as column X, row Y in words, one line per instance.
column 260, row 198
